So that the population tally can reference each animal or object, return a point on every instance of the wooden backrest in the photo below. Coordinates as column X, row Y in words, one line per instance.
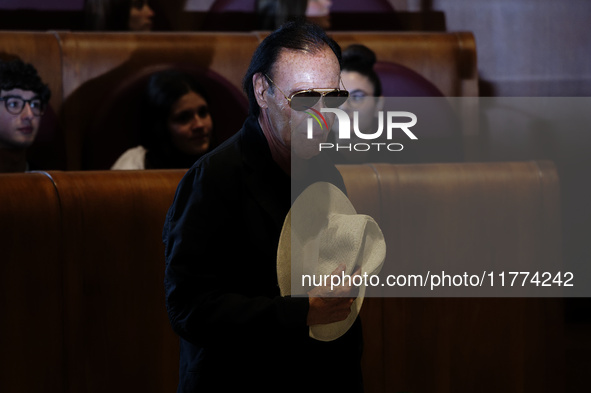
column 448, row 60
column 433, row 208
column 82, row 255
column 31, row 298
column 471, row 215
column 117, row 123
column 95, row 64
column 83, row 69
column 87, row 56
column 116, row 327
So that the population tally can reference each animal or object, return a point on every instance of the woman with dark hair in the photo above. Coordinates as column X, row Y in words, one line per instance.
column 358, row 65
column 118, row 15
column 365, row 98
column 376, row 88
column 176, row 124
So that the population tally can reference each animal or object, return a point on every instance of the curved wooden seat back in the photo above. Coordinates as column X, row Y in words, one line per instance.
column 470, row 215
column 115, row 321
column 31, row 297
column 95, row 64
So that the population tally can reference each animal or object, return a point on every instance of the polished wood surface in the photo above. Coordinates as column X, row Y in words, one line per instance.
column 468, row 215
column 448, row 60
column 31, row 299
column 117, row 329
column 83, row 69
column 82, row 279
column 89, row 55
column 96, row 64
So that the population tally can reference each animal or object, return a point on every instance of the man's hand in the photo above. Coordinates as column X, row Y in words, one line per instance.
column 328, row 306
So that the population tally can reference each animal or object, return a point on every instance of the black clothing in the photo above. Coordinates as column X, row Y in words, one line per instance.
column 221, row 235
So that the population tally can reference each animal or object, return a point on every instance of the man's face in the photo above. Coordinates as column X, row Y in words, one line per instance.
column 295, row 71
column 17, row 131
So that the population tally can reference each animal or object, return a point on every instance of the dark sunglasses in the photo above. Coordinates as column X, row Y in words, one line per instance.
column 306, row 99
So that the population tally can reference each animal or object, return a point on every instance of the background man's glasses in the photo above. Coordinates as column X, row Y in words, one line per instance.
column 305, row 99
column 15, row 105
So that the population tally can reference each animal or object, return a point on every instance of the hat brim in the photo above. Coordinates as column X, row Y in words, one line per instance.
column 302, row 226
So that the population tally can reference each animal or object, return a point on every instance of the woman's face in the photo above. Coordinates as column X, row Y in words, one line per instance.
column 140, row 16
column 190, row 124
column 361, row 100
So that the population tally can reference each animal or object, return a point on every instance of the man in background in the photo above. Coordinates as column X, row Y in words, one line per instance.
column 23, row 99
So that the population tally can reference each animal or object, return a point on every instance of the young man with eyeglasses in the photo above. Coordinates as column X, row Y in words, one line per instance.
column 222, row 232
column 23, row 99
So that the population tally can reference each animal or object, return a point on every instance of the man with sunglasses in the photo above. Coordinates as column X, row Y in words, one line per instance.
column 23, row 99
column 222, row 231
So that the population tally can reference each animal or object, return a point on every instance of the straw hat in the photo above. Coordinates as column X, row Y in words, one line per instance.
column 321, row 231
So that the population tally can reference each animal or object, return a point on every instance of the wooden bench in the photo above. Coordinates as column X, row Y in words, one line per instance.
column 82, row 264
column 32, row 357
column 469, row 215
column 85, row 69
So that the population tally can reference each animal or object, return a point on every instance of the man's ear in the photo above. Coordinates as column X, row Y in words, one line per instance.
column 260, row 85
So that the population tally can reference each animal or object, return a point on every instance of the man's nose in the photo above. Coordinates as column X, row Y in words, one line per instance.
column 321, row 103
column 27, row 111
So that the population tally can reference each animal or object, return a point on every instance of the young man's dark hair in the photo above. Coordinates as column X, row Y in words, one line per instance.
column 23, row 101
column 16, row 74
column 297, row 35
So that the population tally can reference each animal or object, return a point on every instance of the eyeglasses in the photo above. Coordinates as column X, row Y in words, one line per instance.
column 15, row 105
column 306, row 99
